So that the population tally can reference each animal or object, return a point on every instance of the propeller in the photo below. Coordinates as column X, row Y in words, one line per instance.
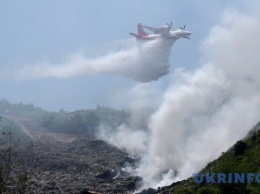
column 169, row 25
column 182, row 28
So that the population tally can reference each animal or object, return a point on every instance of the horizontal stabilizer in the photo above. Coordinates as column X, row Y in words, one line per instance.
column 186, row 37
column 135, row 35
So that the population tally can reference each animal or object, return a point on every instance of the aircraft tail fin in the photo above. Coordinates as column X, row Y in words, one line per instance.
column 135, row 35
column 141, row 31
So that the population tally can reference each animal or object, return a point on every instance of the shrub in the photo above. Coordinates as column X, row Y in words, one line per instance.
column 240, row 148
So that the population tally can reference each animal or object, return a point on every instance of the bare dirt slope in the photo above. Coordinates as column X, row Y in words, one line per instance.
column 73, row 164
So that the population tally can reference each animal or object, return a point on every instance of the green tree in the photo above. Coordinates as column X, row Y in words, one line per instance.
column 240, row 148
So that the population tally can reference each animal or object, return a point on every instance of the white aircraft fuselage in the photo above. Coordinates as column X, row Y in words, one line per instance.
column 162, row 32
column 176, row 34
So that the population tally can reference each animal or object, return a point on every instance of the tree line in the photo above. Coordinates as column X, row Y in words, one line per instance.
column 80, row 121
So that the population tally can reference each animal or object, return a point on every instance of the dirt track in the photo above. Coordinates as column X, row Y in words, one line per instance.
column 37, row 133
column 69, row 163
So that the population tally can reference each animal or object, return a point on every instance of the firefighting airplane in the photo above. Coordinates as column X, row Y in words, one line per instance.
column 161, row 32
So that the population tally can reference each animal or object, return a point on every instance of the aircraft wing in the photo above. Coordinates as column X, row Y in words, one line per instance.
column 153, row 29
column 164, row 31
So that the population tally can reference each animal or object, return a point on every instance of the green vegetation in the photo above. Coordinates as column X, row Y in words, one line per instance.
column 7, row 124
column 80, row 121
column 84, row 121
column 244, row 157
column 16, row 169
column 21, row 110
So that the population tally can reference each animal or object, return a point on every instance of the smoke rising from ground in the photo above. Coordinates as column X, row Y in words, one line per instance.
column 142, row 61
column 203, row 112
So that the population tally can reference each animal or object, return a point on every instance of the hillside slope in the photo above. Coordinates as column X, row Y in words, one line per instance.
column 243, row 157
column 67, row 161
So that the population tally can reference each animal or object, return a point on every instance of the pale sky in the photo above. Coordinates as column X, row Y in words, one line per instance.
column 50, row 30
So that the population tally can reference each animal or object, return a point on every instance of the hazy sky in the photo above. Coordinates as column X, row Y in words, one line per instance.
column 34, row 31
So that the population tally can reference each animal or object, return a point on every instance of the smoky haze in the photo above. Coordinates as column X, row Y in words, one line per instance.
column 204, row 112
column 200, row 115
column 141, row 61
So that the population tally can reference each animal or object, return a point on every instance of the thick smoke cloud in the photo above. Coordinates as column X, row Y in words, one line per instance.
column 204, row 112
column 142, row 61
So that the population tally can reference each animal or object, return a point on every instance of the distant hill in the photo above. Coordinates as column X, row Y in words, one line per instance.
column 80, row 121
column 243, row 157
column 56, row 152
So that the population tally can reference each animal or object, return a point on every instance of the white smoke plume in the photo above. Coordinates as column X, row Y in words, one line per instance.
column 205, row 112
column 142, row 61
column 124, row 137
column 136, row 130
